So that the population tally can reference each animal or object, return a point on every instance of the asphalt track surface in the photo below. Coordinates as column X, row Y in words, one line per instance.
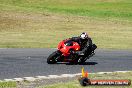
column 16, row 63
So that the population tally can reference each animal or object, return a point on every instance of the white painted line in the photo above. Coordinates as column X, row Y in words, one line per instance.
column 41, row 77
column 18, row 79
column 104, row 72
column 123, row 71
column 54, row 76
column 7, row 80
column 29, row 78
column 100, row 72
column 67, row 75
column 78, row 74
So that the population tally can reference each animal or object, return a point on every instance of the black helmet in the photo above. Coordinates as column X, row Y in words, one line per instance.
column 84, row 35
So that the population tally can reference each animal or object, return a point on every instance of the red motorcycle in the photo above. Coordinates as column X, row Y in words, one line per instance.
column 68, row 51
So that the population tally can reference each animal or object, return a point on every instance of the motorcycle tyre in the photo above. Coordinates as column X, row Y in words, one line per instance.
column 52, row 57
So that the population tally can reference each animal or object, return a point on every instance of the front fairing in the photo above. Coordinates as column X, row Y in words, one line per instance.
column 65, row 47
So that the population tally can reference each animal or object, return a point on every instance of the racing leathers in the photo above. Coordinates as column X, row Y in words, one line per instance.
column 86, row 45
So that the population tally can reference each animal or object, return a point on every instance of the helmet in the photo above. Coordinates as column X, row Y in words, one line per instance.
column 84, row 35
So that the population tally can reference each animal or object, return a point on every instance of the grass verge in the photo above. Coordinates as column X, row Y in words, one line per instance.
column 120, row 9
column 45, row 30
column 8, row 84
column 43, row 23
column 75, row 83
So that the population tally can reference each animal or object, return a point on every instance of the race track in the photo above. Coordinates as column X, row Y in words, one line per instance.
column 32, row 62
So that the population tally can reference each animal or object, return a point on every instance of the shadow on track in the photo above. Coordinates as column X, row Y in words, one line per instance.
column 85, row 63
column 89, row 63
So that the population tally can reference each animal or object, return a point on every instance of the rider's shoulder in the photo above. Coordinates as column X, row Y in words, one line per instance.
column 75, row 37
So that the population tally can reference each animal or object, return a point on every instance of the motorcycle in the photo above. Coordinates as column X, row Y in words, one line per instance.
column 68, row 51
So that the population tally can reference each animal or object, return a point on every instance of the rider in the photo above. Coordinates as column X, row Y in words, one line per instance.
column 84, row 41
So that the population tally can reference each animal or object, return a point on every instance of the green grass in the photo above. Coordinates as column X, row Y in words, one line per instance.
column 8, row 84
column 43, row 23
column 96, row 8
column 75, row 83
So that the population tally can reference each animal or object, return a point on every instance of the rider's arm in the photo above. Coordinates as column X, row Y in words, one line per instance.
column 75, row 39
column 90, row 41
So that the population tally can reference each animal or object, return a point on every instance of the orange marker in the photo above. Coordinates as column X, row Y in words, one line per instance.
column 84, row 74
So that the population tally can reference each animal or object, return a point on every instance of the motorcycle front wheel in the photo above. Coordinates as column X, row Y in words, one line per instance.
column 52, row 59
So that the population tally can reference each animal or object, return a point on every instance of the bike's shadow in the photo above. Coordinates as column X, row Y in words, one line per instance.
column 85, row 63
column 89, row 63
